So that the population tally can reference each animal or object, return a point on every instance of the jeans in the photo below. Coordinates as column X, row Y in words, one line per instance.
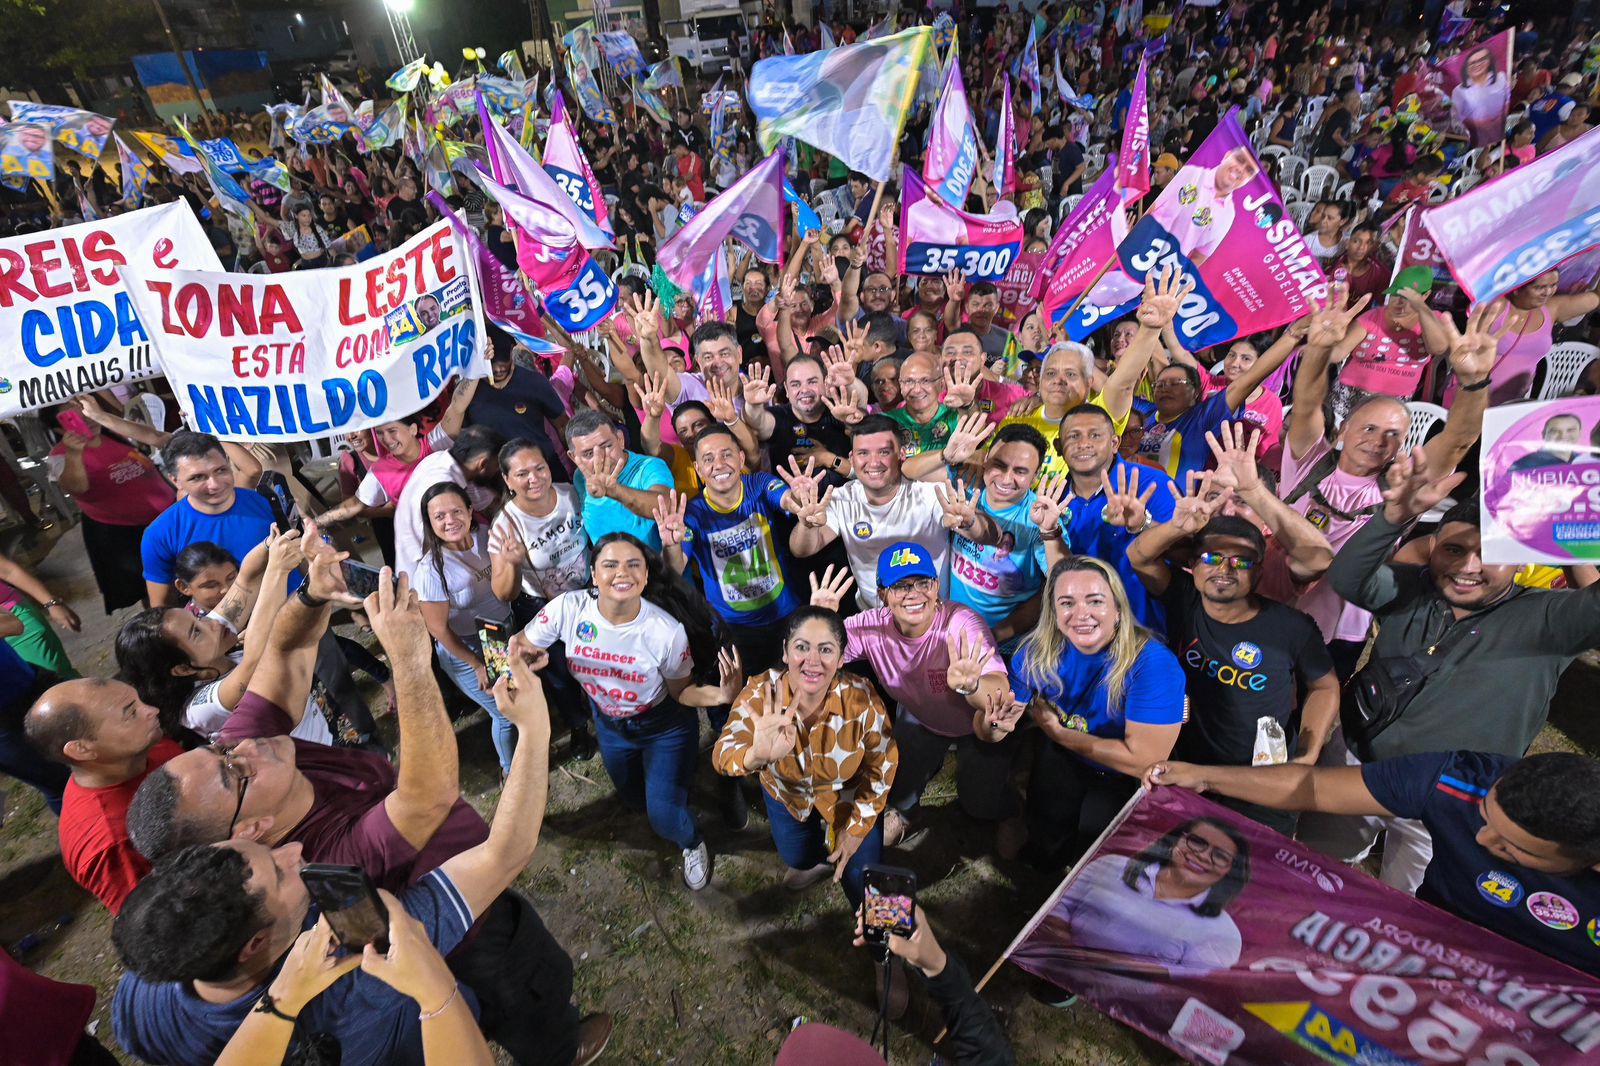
column 802, row 845
column 18, row 759
column 523, row 980
column 650, row 758
column 466, row 679
column 983, row 771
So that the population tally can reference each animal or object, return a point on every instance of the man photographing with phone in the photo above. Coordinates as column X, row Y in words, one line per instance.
column 209, row 938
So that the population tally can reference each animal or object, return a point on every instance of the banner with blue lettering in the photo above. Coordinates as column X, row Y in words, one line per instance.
column 67, row 322
column 280, row 357
column 936, row 238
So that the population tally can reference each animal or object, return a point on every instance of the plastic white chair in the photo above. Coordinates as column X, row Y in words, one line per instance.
column 1468, row 161
column 1345, row 192
column 1438, row 193
column 1424, row 416
column 1318, row 181
column 1273, row 149
column 1067, row 204
column 1300, row 210
column 1290, row 167
column 1564, row 364
column 1465, row 183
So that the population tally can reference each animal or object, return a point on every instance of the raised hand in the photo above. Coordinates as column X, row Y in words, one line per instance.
column 787, row 287
column 1411, row 489
column 801, row 481
column 645, row 314
column 1002, row 711
column 508, row 546
column 1330, row 319
column 855, row 342
column 285, row 551
column 719, row 399
column 653, row 394
column 971, row 431
column 1473, row 353
column 313, row 963
column 396, row 618
column 774, row 732
column 968, row 656
column 960, row 512
column 812, row 510
column 759, row 388
column 1049, row 500
column 730, row 674
column 601, row 482
column 669, row 517
column 1235, row 452
column 961, row 389
column 1191, row 511
column 830, row 591
column 1126, row 506
column 841, row 372
column 844, row 405
column 1163, row 296
column 954, row 286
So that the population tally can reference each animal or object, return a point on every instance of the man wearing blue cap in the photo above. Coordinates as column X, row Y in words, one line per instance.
column 938, row 662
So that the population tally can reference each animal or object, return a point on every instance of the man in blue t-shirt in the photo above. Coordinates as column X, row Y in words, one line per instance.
column 205, row 935
column 737, row 533
column 619, row 488
column 1516, row 842
column 211, row 509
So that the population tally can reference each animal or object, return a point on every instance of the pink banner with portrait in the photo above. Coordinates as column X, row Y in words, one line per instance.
column 1540, row 466
column 936, row 238
column 1289, row 958
column 1472, row 89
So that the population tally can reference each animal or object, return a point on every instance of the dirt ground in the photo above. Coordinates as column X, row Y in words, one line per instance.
column 712, row 977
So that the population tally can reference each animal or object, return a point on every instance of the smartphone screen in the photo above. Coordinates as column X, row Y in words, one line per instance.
column 890, row 903
column 496, row 640
column 354, row 911
column 359, row 578
column 285, row 511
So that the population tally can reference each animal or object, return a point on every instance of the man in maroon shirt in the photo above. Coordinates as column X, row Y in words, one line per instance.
column 347, row 806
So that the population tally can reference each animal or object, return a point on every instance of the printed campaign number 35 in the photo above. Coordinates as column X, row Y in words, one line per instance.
column 1382, row 1003
column 974, row 261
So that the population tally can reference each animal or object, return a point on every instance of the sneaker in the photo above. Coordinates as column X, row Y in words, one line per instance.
column 582, row 746
column 800, row 880
column 735, row 811
column 697, row 867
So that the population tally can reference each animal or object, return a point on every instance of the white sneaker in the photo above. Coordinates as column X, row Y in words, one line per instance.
column 697, row 867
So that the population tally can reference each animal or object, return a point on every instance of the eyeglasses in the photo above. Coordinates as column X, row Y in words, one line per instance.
column 1236, row 562
column 1201, row 848
column 913, row 584
column 904, row 381
column 241, row 773
column 877, row 289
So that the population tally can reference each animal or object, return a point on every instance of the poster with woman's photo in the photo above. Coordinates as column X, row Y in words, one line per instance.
column 1477, row 83
column 1541, row 482
column 1232, row 944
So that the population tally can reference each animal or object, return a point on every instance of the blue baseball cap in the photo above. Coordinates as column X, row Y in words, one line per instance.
column 904, row 559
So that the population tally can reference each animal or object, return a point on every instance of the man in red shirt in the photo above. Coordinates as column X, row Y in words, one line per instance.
column 110, row 740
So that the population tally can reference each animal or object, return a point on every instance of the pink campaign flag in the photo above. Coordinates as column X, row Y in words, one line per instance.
column 1220, row 222
column 512, row 166
column 750, row 211
column 936, row 238
column 565, row 162
column 506, row 300
column 952, row 157
column 1134, row 162
column 1085, row 243
column 1471, row 89
column 1506, row 232
column 1004, row 175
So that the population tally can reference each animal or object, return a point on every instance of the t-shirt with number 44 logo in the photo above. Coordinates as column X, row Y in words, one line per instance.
column 744, row 564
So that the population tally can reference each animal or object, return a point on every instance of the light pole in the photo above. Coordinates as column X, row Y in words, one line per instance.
column 399, row 12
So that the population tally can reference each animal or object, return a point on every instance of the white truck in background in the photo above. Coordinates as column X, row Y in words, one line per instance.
column 704, row 34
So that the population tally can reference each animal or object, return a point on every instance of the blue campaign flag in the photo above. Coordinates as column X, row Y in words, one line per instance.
column 804, row 216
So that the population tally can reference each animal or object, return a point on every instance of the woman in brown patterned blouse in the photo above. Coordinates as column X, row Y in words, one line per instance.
column 820, row 741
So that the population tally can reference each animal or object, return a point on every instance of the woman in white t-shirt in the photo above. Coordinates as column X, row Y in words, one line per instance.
column 191, row 667
column 633, row 642
column 539, row 550
column 453, row 588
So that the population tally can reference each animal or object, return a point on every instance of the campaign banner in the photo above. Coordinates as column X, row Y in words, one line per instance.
column 317, row 353
column 1220, row 222
column 951, row 161
column 506, row 300
column 623, row 51
column 1472, row 88
column 1506, row 232
column 224, row 153
column 1236, row 946
column 585, row 303
column 936, row 238
column 174, row 154
column 1134, row 160
column 750, row 211
column 806, row 219
column 1418, row 248
column 407, row 77
column 83, row 131
column 382, row 129
column 133, row 172
column 665, row 75
column 1541, row 482
column 26, row 154
column 67, row 320
column 1003, row 176
column 1017, row 297
column 510, row 164
column 565, row 162
column 1085, row 242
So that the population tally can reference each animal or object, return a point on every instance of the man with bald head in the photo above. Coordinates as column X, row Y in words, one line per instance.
column 110, row 740
column 927, row 422
column 962, row 359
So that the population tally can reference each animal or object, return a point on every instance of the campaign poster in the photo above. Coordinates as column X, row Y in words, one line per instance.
column 1236, row 946
column 313, row 354
column 936, row 238
column 1017, row 287
column 1471, row 88
column 1540, row 466
column 26, row 153
column 68, row 324
column 1220, row 223
column 83, row 131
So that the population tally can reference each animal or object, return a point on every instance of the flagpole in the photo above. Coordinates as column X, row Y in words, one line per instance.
column 1105, row 268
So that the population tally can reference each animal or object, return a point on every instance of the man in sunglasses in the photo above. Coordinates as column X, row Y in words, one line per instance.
column 1246, row 657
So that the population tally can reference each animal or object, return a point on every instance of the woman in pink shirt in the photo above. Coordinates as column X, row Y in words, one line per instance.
column 1387, row 349
column 1529, row 318
column 1263, row 409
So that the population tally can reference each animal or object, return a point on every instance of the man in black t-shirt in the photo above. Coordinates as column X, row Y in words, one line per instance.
column 1246, row 657
column 803, row 428
column 1516, row 842
column 516, row 401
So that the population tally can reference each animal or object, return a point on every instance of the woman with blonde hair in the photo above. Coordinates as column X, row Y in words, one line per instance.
column 1107, row 695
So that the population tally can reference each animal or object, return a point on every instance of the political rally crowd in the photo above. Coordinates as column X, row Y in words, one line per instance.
column 847, row 514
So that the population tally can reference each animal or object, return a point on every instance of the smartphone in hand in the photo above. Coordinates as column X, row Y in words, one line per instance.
column 361, row 579
column 890, row 906
column 285, row 510
column 355, row 912
column 495, row 639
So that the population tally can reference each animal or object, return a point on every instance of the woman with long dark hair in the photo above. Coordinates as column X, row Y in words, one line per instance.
column 635, row 640
column 454, row 590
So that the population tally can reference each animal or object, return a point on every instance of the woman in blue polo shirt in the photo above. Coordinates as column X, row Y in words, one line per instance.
column 1105, row 693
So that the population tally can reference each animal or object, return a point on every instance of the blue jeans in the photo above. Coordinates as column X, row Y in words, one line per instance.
column 802, row 845
column 650, row 758
column 466, row 679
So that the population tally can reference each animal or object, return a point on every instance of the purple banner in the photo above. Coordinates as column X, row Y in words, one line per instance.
column 1133, row 165
column 1506, row 232
column 565, row 162
column 952, row 157
column 1004, row 176
column 750, row 211
column 506, row 300
column 936, row 238
column 1085, row 243
column 1473, row 88
column 1017, row 288
column 1287, row 958
column 1541, row 482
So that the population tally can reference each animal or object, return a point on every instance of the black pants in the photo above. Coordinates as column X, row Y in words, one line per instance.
column 1069, row 805
column 523, row 981
column 333, row 670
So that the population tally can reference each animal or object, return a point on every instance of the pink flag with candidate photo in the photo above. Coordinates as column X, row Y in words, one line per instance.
column 936, row 238
column 1086, row 242
column 1473, row 89
column 952, row 157
column 511, row 166
column 750, row 211
column 1133, row 164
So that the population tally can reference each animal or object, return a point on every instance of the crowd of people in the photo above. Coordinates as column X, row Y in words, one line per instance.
column 869, row 519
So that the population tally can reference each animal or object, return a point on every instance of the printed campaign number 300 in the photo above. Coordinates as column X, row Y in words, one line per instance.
column 973, row 261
